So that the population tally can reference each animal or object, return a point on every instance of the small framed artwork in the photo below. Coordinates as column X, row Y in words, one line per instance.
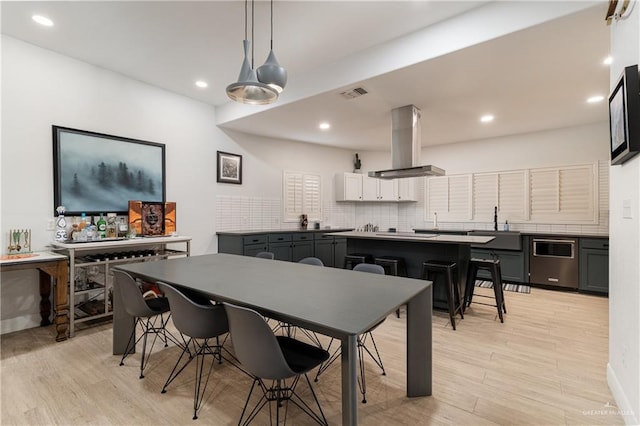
column 229, row 168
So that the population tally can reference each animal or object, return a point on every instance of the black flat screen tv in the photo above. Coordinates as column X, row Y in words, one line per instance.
column 96, row 173
column 624, row 116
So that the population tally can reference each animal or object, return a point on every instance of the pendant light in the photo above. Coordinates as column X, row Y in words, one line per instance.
column 271, row 72
column 248, row 89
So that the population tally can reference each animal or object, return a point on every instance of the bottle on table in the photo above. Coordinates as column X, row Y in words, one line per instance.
column 102, row 227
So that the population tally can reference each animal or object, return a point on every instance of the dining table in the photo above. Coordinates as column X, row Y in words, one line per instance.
column 338, row 303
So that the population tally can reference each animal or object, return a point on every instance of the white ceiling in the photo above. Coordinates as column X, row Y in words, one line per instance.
column 534, row 79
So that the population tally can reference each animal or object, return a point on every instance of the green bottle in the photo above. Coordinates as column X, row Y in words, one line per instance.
column 102, row 227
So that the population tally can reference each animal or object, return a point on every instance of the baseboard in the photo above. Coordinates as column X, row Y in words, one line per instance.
column 24, row 322
column 624, row 407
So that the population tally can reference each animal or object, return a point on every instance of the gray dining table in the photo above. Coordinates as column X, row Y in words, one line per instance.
column 335, row 302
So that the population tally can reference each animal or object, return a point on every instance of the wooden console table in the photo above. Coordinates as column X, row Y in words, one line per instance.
column 50, row 265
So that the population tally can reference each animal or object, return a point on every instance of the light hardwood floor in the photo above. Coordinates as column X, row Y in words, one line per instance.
column 546, row 365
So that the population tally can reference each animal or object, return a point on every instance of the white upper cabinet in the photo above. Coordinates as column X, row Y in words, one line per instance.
column 374, row 189
column 357, row 187
column 406, row 189
column 348, row 187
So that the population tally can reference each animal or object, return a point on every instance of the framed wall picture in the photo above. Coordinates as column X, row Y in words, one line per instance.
column 97, row 173
column 624, row 113
column 229, row 168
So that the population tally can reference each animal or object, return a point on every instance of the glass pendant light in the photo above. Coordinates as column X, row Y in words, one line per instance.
column 248, row 89
column 271, row 72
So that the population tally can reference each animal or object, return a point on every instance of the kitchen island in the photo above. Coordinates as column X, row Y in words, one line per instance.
column 416, row 249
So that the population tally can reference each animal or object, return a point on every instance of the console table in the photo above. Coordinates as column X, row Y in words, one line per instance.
column 90, row 263
column 50, row 265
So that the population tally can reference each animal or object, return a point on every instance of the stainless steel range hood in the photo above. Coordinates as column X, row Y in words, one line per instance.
column 406, row 146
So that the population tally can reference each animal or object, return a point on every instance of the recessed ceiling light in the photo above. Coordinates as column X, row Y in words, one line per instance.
column 608, row 60
column 202, row 84
column 594, row 99
column 324, row 126
column 42, row 20
column 487, row 118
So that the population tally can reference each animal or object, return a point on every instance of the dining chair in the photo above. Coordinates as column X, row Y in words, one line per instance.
column 311, row 261
column 266, row 255
column 276, row 362
column 203, row 324
column 361, row 342
column 290, row 330
column 146, row 313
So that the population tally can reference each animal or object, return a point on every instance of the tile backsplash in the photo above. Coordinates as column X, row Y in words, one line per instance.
column 257, row 213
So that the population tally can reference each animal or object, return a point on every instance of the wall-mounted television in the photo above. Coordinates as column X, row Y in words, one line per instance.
column 624, row 116
column 97, row 173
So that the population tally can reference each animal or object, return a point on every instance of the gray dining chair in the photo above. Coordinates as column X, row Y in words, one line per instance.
column 361, row 342
column 203, row 323
column 290, row 330
column 266, row 255
column 311, row 261
column 281, row 360
column 147, row 313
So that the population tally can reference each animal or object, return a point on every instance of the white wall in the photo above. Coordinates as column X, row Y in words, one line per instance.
column 623, row 373
column 574, row 145
column 41, row 88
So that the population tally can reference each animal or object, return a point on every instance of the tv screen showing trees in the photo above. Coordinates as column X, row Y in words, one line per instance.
column 97, row 173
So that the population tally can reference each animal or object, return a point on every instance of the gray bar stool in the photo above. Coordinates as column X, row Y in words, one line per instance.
column 352, row 259
column 493, row 266
column 447, row 270
column 393, row 265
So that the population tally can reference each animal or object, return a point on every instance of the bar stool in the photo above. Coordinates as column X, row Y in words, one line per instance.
column 493, row 266
column 393, row 265
column 446, row 269
column 352, row 259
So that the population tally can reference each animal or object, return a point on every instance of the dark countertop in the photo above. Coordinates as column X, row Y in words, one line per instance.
column 420, row 238
column 281, row 231
column 525, row 233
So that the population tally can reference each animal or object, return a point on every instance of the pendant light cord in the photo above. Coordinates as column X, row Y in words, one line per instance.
column 271, row 25
column 245, row 19
column 252, row 29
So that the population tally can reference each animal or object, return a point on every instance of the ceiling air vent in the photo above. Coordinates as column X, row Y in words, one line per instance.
column 354, row 93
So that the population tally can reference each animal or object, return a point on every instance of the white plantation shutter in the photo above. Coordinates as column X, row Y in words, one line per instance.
column 449, row 197
column 485, row 196
column 302, row 194
column 437, row 189
column 312, row 196
column 565, row 194
column 459, row 198
column 512, row 204
column 543, row 190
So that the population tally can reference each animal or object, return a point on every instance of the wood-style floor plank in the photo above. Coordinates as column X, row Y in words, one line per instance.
column 545, row 365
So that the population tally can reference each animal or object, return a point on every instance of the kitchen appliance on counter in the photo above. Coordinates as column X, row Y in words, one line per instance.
column 554, row 261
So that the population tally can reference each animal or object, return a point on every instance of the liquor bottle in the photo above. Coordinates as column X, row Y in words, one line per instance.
column 102, row 227
column 61, row 225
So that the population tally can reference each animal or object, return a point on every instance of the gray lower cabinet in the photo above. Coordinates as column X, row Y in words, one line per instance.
column 512, row 264
column 331, row 250
column 594, row 265
column 280, row 246
column 301, row 246
column 246, row 245
column 290, row 247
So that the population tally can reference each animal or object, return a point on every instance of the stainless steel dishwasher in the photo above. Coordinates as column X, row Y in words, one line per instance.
column 554, row 261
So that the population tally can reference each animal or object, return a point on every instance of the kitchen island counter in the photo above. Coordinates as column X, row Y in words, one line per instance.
column 418, row 248
column 413, row 237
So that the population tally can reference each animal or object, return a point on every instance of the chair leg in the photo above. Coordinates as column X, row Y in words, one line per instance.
column 361, row 378
column 175, row 374
column 497, row 291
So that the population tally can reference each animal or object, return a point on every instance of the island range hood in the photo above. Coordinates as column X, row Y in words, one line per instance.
column 406, row 147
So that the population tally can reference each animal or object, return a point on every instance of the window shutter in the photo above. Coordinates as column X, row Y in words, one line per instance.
column 543, row 190
column 511, row 196
column 437, row 196
column 459, row 198
column 302, row 194
column 485, row 196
